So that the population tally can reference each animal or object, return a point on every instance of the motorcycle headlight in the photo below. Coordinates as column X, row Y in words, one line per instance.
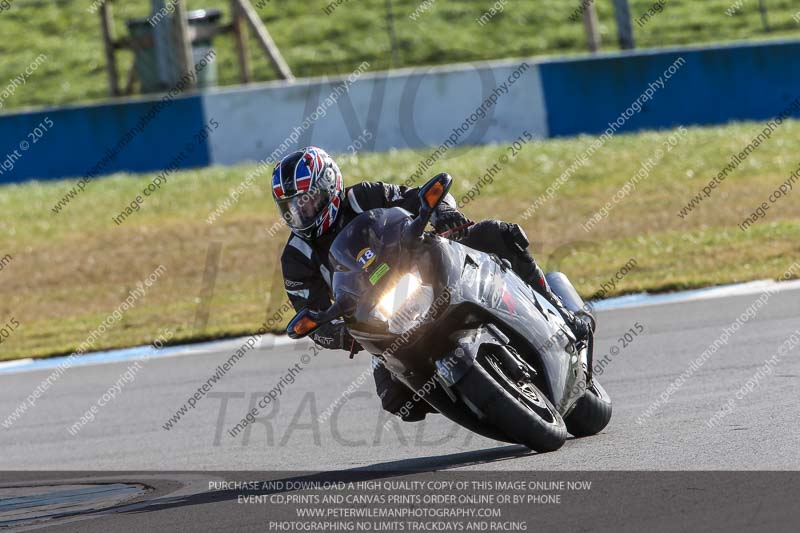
column 404, row 305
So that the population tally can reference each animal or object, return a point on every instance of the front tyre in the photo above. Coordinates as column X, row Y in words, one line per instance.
column 592, row 412
column 514, row 406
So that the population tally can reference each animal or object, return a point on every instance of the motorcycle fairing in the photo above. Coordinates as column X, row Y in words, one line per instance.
column 479, row 289
column 482, row 281
column 457, row 363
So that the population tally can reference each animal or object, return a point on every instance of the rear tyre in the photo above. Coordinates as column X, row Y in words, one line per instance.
column 514, row 406
column 592, row 412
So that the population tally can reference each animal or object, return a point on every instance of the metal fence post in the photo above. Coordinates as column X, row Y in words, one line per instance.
column 622, row 13
column 591, row 25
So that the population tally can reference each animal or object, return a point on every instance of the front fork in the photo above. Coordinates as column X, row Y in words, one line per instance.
column 589, row 360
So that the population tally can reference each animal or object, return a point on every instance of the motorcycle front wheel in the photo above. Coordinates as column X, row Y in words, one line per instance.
column 512, row 404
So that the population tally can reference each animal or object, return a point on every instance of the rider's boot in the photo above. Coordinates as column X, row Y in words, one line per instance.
column 579, row 323
column 396, row 397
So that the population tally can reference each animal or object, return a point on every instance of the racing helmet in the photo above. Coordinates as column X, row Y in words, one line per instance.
column 308, row 190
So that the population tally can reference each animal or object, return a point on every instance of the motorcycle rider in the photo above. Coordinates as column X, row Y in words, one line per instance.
column 309, row 191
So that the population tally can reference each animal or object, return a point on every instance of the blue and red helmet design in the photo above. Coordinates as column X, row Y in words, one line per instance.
column 307, row 186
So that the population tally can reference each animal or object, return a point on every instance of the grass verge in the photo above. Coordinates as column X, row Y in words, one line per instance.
column 68, row 272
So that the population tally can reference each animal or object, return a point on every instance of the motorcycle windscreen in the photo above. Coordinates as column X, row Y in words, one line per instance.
column 367, row 255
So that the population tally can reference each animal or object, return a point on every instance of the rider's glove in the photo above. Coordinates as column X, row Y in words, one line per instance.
column 450, row 222
column 334, row 336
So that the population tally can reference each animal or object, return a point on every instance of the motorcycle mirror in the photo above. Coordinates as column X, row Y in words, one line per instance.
column 307, row 321
column 430, row 196
column 301, row 325
column 433, row 192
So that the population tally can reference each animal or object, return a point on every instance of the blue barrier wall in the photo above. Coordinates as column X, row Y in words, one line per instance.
column 414, row 108
column 80, row 139
column 404, row 109
column 754, row 81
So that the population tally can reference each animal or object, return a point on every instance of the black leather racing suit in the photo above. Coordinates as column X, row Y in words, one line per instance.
column 307, row 273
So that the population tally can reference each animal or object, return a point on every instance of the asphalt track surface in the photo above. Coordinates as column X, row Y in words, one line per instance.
column 759, row 433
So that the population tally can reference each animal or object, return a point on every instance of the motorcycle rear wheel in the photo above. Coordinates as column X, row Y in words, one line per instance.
column 514, row 406
column 592, row 412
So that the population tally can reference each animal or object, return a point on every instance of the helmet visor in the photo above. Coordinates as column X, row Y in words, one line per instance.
column 302, row 210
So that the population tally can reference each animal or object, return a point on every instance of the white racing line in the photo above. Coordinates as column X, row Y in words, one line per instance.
column 142, row 352
column 268, row 341
column 710, row 293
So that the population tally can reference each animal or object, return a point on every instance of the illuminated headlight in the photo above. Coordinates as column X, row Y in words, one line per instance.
column 404, row 305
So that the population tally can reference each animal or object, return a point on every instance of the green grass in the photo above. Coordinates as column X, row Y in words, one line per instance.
column 316, row 44
column 70, row 271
